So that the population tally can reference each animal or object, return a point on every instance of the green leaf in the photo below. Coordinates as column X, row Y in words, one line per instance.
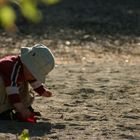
column 50, row 2
column 30, row 11
column 7, row 16
column 24, row 135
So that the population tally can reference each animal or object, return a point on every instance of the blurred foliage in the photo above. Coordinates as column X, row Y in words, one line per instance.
column 28, row 8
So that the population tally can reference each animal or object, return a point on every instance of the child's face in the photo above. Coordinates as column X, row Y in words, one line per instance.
column 27, row 74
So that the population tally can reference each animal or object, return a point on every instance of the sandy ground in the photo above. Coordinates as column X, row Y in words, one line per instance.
column 92, row 100
column 96, row 78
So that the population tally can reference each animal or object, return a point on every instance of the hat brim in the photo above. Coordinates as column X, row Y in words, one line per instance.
column 27, row 61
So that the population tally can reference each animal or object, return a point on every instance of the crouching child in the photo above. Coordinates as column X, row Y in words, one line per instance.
column 16, row 74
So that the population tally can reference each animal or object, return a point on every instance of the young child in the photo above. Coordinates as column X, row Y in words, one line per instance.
column 16, row 72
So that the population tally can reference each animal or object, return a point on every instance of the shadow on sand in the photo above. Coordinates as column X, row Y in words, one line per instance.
column 35, row 130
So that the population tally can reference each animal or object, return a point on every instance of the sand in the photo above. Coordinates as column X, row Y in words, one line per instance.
column 96, row 79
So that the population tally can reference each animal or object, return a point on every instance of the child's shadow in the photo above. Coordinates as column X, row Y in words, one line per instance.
column 37, row 129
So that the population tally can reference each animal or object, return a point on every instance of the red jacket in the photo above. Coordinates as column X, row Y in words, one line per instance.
column 11, row 69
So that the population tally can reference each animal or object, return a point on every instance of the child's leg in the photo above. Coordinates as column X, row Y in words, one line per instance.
column 6, row 112
column 4, row 104
column 26, row 96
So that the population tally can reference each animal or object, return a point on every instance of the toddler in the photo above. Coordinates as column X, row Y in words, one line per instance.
column 16, row 73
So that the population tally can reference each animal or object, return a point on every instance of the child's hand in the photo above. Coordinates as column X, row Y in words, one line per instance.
column 30, row 119
column 47, row 93
column 25, row 112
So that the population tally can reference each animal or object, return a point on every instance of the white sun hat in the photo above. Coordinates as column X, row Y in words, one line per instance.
column 39, row 60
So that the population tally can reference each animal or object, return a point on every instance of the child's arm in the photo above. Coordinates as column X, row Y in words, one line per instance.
column 24, row 115
column 15, row 101
column 40, row 89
